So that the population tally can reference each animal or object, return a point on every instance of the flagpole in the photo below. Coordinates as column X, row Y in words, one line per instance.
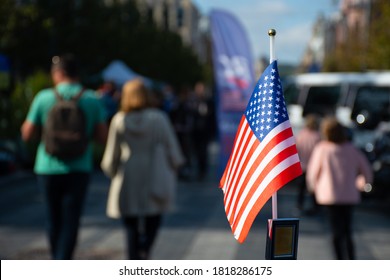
column 271, row 34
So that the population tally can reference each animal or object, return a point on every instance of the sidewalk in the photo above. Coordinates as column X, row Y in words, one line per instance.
column 197, row 230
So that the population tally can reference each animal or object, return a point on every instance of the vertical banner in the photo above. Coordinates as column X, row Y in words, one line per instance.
column 234, row 74
column 5, row 76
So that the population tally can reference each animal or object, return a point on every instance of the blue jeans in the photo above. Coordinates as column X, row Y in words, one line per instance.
column 64, row 196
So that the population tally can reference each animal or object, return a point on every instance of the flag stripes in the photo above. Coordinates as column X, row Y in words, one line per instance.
column 253, row 166
column 264, row 156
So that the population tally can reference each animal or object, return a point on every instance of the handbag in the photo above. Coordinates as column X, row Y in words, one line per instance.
column 163, row 177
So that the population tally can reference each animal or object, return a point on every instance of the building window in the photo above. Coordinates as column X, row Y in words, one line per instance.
column 180, row 17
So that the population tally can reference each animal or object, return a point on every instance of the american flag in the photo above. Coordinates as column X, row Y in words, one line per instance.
column 264, row 156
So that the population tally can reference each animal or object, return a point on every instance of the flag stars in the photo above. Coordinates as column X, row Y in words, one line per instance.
column 265, row 109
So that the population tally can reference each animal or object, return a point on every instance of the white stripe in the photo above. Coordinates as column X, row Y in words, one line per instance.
column 254, row 156
column 270, row 176
column 234, row 155
column 277, row 149
column 241, row 178
column 240, row 166
column 237, row 156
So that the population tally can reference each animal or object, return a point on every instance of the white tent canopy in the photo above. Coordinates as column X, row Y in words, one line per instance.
column 118, row 72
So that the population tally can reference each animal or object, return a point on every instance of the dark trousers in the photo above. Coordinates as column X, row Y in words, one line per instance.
column 64, row 196
column 302, row 185
column 141, row 233
column 340, row 217
column 201, row 143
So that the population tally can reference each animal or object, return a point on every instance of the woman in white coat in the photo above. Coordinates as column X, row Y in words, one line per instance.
column 141, row 140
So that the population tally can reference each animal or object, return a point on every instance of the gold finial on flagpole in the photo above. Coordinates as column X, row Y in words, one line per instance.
column 272, row 32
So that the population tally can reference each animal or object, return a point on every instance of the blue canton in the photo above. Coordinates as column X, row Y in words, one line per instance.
column 266, row 108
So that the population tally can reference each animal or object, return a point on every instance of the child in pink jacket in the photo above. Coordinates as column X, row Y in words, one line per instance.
column 337, row 172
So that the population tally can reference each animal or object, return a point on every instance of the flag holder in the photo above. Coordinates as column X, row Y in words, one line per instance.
column 282, row 234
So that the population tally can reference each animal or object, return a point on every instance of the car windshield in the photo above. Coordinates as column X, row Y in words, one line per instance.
column 372, row 105
column 322, row 100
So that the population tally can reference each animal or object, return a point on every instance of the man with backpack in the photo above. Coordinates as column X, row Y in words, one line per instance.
column 67, row 118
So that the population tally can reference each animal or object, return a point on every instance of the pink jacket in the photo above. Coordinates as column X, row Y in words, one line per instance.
column 337, row 172
column 306, row 141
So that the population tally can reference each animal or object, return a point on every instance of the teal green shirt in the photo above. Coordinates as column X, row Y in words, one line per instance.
column 40, row 107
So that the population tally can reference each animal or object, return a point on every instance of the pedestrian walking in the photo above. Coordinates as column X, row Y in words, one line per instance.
column 337, row 171
column 306, row 140
column 70, row 118
column 141, row 157
column 203, row 129
column 182, row 117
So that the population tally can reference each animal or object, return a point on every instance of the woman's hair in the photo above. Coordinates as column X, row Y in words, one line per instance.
column 333, row 131
column 135, row 96
column 312, row 122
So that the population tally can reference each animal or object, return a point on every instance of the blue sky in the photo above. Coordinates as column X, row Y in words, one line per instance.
column 292, row 19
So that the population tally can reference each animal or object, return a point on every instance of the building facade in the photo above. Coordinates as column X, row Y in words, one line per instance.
column 353, row 18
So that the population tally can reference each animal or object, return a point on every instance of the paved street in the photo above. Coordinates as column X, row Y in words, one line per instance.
column 197, row 230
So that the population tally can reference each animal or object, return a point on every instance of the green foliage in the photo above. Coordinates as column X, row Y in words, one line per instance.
column 15, row 108
column 30, row 34
column 379, row 44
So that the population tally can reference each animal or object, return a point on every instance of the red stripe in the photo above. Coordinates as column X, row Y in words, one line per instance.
column 247, row 159
column 275, row 161
column 223, row 179
column 238, row 158
column 283, row 178
column 276, row 140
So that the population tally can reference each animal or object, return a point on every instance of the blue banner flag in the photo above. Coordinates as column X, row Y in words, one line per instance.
column 234, row 74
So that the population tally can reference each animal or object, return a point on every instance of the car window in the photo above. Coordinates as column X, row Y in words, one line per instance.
column 291, row 93
column 322, row 100
column 372, row 104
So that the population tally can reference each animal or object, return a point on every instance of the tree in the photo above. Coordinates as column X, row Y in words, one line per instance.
column 32, row 32
column 378, row 54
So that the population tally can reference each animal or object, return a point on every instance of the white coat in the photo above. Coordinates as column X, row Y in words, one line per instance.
column 127, row 160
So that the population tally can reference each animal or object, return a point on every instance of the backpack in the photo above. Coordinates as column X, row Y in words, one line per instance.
column 65, row 130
